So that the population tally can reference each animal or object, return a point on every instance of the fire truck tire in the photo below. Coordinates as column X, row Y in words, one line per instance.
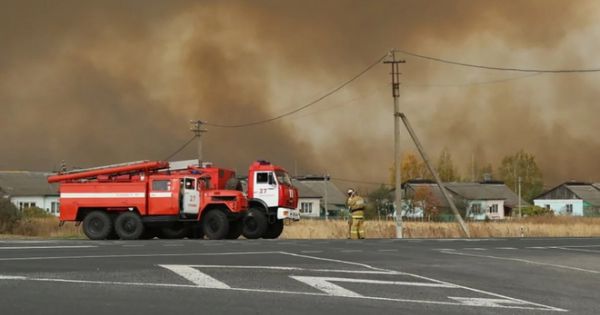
column 255, row 224
column 215, row 225
column 274, row 230
column 97, row 225
column 129, row 226
column 235, row 229
column 174, row 231
column 196, row 232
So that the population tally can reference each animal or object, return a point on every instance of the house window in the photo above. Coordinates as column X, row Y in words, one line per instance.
column 494, row 208
column 54, row 209
column 569, row 208
column 25, row 205
column 548, row 207
column 476, row 208
column 305, row 207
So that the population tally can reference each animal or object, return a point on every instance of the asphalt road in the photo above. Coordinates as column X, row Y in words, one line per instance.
column 490, row 276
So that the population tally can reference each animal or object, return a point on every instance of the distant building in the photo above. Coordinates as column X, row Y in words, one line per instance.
column 571, row 198
column 488, row 199
column 29, row 189
column 318, row 194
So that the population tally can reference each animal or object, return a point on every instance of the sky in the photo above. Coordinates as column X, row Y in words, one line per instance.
column 101, row 82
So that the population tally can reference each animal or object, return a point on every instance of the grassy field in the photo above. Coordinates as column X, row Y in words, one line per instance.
column 335, row 229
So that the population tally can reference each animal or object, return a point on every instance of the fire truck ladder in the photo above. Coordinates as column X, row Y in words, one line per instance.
column 114, row 169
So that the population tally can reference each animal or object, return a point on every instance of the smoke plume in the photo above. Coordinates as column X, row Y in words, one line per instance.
column 113, row 81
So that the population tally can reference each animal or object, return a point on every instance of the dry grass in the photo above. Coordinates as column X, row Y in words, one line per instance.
column 44, row 228
column 530, row 227
column 337, row 229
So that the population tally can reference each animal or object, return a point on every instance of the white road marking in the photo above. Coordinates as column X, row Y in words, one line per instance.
column 538, row 247
column 474, row 248
column 196, row 277
column 484, row 301
column 133, row 245
column 523, row 261
column 323, row 284
column 579, row 250
column 371, row 272
column 47, row 247
column 506, row 248
column 135, row 255
column 335, row 260
column 444, row 249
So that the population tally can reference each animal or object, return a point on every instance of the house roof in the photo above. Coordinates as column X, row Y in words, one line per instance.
column 475, row 191
column 22, row 183
column 589, row 193
column 334, row 195
column 304, row 191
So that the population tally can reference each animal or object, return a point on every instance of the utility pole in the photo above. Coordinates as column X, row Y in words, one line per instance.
column 520, row 214
column 397, row 159
column 198, row 131
column 433, row 172
column 325, row 179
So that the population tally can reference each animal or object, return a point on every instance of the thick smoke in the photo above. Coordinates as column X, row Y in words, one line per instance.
column 119, row 81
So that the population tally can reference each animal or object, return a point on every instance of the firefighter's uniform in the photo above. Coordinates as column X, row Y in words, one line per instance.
column 356, row 205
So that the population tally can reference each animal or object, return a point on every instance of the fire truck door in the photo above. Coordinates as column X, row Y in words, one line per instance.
column 265, row 188
column 191, row 196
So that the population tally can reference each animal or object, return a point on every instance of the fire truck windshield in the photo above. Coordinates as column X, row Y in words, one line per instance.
column 283, row 178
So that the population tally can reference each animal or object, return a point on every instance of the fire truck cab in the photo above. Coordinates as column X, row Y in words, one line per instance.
column 271, row 199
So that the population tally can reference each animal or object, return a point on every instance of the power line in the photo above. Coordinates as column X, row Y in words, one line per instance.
column 181, row 148
column 473, row 83
column 465, row 64
column 258, row 122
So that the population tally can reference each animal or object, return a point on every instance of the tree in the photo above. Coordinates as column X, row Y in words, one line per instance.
column 423, row 198
column 381, row 202
column 412, row 167
column 445, row 167
column 523, row 165
column 9, row 215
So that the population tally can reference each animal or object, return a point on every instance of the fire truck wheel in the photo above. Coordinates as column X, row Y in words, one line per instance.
column 274, row 229
column 255, row 224
column 97, row 225
column 174, row 231
column 215, row 225
column 129, row 226
column 235, row 229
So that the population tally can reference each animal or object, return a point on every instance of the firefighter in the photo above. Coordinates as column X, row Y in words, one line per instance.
column 356, row 205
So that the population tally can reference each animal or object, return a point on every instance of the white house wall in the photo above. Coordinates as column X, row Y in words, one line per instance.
column 486, row 205
column 315, row 205
column 559, row 206
column 42, row 202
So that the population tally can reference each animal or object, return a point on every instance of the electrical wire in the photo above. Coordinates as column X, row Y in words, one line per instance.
column 473, row 83
column 335, row 90
column 465, row 64
column 181, row 148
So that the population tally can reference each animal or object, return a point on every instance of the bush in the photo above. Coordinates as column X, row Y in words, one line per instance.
column 35, row 212
column 9, row 216
column 532, row 211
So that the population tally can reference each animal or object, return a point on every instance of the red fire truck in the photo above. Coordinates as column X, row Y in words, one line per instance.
column 148, row 199
column 142, row 199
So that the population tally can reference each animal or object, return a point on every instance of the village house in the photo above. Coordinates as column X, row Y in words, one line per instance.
column 571, row 198
column 318, row 194
column 29, row 189
column 480, row 200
